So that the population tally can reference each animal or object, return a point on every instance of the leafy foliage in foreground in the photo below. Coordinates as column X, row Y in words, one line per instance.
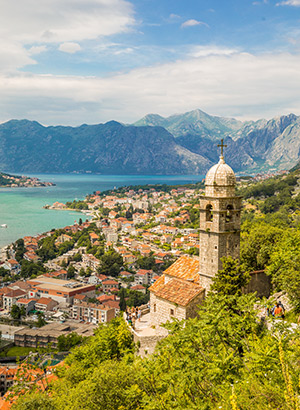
column 194, row 368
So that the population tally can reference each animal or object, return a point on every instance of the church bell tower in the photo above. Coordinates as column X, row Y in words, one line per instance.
column 220, row 211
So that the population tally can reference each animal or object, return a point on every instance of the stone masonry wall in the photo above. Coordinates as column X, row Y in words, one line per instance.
column 161, row 310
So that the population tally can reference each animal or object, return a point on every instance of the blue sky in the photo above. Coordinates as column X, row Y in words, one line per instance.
column 89, row 61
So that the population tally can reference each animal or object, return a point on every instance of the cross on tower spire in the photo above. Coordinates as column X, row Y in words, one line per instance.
column 222, row 145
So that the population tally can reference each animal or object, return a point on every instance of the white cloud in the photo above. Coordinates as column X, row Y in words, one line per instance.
column 174, row 16
column 204, row 51
column 37, row 50
column 238, row 85
column 64, row 20
column 259, row 3
column 13, row 56
column 295, row 3
column 35, row 23
column 127, row 50
column 192, row 22
column 70, row 47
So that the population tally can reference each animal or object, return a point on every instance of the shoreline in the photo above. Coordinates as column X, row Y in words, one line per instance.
column 89, row 214
column 30, row 186
column 83, row 211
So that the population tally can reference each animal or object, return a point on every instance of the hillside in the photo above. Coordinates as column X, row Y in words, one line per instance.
column 180, row 144
column 233, row 355
column 253, row 146
column 109, row 148
column 195, row 122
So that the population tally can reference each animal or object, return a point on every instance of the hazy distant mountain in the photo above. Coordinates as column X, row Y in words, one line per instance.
column 150, row 146
column 109, row 148
column 194, row 122
column 252, row 145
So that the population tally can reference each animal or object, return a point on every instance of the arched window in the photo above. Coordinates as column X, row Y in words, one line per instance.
column 209, row 213
column 228, row 213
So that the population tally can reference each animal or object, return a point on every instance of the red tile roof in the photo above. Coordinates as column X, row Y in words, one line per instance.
column 157, row 284
column 15, row 293
column 44, row 301
column 184, row 268
column 179, row 291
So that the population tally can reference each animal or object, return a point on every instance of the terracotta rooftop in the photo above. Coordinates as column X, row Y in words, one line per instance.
column 184, row 268
column 157, row 284
column 15, row 293
column 44, row 301
column 103, row 298
column 179, row 291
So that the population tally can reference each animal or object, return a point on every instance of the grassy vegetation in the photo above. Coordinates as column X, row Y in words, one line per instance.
column 17, row 351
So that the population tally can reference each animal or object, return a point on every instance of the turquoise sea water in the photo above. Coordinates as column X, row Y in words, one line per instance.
column 22, row 208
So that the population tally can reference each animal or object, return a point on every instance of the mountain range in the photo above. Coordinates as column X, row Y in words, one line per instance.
column 179, row 144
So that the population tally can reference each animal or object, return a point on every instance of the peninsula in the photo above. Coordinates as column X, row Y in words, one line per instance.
column 16, row 181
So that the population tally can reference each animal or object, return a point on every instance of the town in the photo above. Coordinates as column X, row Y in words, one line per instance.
column 13, row 181
column 71, row 279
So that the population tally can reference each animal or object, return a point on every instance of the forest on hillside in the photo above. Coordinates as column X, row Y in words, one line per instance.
column 228, row 357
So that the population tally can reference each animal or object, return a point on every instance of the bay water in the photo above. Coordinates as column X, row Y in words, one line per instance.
column 21, row 209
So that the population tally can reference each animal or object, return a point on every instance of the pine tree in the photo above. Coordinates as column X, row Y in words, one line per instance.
column 122, row 300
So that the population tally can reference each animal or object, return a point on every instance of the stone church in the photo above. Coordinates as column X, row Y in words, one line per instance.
column 182, row 287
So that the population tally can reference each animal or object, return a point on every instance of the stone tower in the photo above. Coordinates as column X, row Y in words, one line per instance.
column 220, row 211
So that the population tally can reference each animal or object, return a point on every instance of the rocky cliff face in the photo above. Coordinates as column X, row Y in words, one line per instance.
column 252, row 145
column 109, row 148
column 180, row 144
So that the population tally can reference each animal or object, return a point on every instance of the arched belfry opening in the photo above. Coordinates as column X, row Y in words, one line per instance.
column 229, row 213
column 209, row 213
column 221, row 205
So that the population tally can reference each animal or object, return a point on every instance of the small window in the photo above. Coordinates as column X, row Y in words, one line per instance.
column 172, row 312
column 154, row 307
column 229, row 213
column 209, row 213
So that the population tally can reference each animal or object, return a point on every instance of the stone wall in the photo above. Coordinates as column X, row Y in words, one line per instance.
column 193, row 307
column 259, row 283
column 219, row 234
column 163, row 310
column 146, row 344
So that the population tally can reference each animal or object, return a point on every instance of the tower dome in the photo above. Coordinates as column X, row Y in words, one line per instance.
column 220, row 180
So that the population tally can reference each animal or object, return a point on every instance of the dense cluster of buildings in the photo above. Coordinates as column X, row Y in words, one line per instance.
column 135, row 224
column 21, row 181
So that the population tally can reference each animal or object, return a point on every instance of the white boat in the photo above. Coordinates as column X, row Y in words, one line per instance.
column 3, row 226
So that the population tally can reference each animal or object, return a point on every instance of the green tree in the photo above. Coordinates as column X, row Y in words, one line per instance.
column 82, row 272
column 41, row 320
column 15, row 312
column 111, row 263
column 257, row 243
column 231, row 279
column 122, row 301
column 77, row 257
column 29, row 269
column 65, row 343
column 146, row 262
column 71, row 272
column 19, row 249
column 284, row 266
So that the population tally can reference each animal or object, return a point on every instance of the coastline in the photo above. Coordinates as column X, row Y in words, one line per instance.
column 22, row 209
column 83, row 211
column 25, row 186
column 4, row 248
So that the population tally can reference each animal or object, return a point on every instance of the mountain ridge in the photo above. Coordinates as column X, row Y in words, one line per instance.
column 186, row 144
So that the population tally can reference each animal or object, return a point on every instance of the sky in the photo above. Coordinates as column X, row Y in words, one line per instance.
column 69, row 62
